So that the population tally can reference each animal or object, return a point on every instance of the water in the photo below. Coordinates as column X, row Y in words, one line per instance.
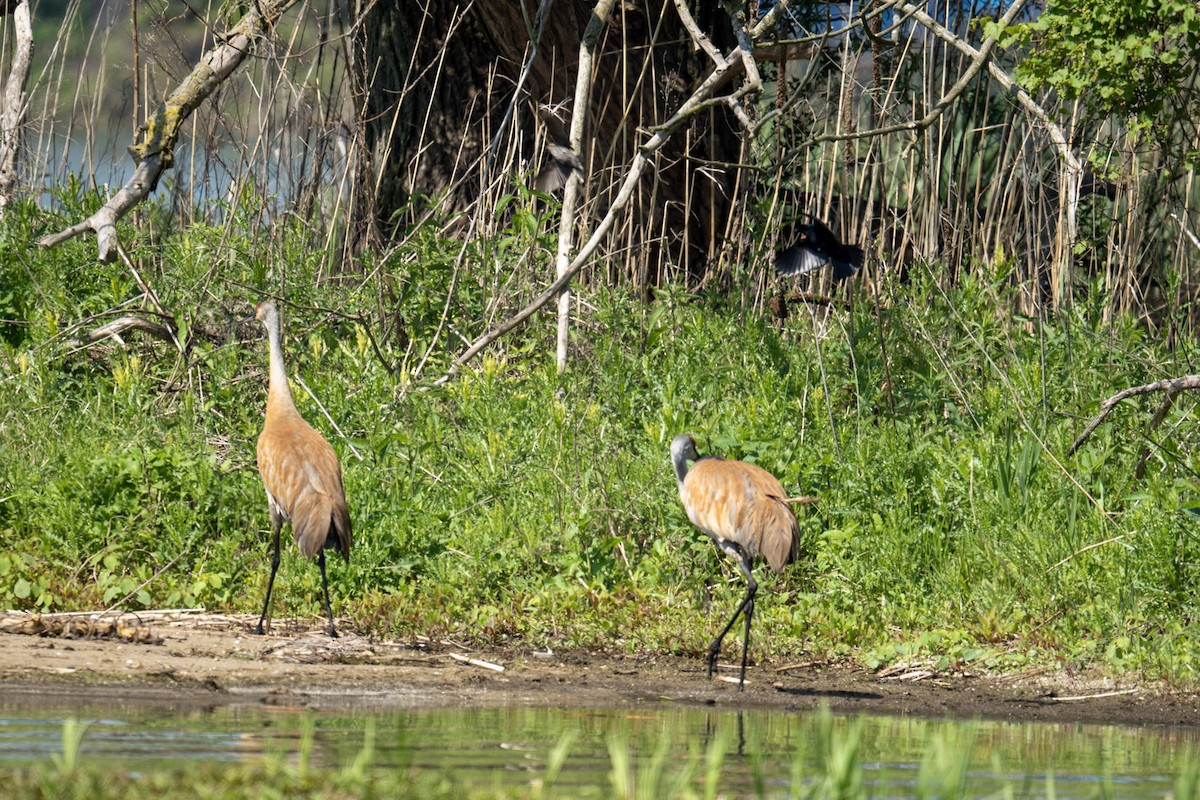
column 512, row 746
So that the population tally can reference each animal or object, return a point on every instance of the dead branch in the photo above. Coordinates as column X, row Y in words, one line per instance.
column 16, row 103
column 980, row 57
column 700, row 99
column 1172, row 386
column 120, row 325
column 155, row 147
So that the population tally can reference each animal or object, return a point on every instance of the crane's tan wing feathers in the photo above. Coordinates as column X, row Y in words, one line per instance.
column 742, row 503
column 301, row 474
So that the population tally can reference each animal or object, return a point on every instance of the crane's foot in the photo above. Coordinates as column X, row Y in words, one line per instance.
column 332, row 633
column 257, row 630
column 714, row 650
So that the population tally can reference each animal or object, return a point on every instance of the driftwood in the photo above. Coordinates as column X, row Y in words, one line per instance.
column 154, row 149
column 80, row 627
column 1169, row 386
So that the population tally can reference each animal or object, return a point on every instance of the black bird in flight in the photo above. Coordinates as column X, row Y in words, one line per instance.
column 816, row 247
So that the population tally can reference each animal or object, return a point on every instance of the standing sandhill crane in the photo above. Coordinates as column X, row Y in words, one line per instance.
column 815, row 247
column 744, row 510
column 301, row 474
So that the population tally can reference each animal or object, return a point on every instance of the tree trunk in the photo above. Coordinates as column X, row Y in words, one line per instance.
column 15, row 103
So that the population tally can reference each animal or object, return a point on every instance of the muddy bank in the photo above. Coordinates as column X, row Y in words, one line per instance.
column 212, row 660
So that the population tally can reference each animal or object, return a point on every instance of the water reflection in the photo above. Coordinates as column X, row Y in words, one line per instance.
column 755, row 752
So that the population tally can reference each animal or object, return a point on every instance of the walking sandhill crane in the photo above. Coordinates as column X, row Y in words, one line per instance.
column 745, row 511
column 815, row 247
column 300, row 472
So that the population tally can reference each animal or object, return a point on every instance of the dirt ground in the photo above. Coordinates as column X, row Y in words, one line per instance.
column 212, row 660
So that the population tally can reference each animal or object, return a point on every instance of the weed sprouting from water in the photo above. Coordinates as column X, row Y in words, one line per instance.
column 366, row 753
column 304, row 749
column 654, row 757
column 554, row 764
column 72, row 737
column 944, row 767
column 714, row 760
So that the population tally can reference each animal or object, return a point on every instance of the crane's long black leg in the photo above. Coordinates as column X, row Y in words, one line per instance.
column 749, row 614
column 734, row 551
column 276, row 523
column 325, row 587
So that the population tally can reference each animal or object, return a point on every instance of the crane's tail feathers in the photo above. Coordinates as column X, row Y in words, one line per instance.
column 321, row 523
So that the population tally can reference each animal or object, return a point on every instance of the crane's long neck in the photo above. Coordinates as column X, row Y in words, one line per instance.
column 679, row 460
column 279, row 395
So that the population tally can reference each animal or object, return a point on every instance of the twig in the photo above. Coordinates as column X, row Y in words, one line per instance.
column 120, row 325
column 146, row 582
column 476, row 662
column 345, row 439
column 150, row 294
column 1083, row 550
column 1116, row 693
column 150, row 612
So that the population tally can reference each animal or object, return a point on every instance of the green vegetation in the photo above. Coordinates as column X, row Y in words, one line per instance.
column 515, row 506
column 825, row 757
column 1134, row 60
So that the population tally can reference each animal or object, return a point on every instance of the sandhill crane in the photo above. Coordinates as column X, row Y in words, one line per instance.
column 744, row 510
column 815, row 247
column 300, row 472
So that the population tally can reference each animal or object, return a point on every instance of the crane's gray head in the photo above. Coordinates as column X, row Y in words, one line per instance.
column 683, row 450
column 265, row 313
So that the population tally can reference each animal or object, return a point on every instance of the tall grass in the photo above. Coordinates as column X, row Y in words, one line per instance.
column 517, row 505
column 931, row 416
column 976, row 192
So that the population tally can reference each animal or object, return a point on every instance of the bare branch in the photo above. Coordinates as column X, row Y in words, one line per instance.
column 1171, row 386
column 979, row 59
column 566, row 225
column 120, row 325
column 699, row 38
column 154, row 150
column 661, row 134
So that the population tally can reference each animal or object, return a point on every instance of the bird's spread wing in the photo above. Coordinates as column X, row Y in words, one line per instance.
column 799, row 259
column 847, row 262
